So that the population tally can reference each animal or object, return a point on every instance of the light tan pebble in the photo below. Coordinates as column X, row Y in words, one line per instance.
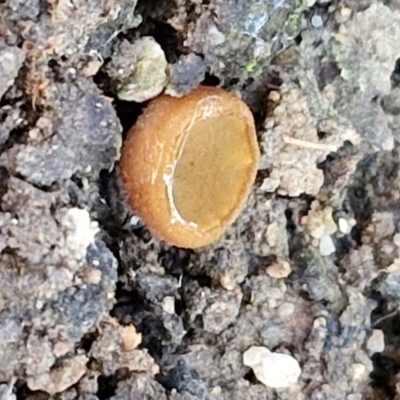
column 92, row 67
column 303, row 220
column 274, row 96
column 92, row 275
column 279, row 269
column 274, row 370
column 130, row 337
column 227, row 282
column 394, row 267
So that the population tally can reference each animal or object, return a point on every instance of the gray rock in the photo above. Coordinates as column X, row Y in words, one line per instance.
column 11, row 59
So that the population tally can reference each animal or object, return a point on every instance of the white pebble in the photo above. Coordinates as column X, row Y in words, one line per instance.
column 317, row 21
column 326, row 246
column 344, row 226
column 168, row 304
column 376, row 342
column 274, row 370
column 396, row 239
column 134, row 221
column 358, row 371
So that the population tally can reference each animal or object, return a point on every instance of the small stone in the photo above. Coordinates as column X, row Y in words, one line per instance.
column 92, row 275
column 274, row 96
column 376, row 342
column 320, row 221
column 227, row 282
column 303, row 220
column 116, row 348
column 396, row 239
column 319, row 322
column 279, row 269
column 80, row 231
column 130, row 337
column 274, row 370
column 358, row 371
column 66, row 374
column 168, row 304
column 345, row 12
column 344, row 226
column 92, row 66
column 135, row 221
column 326, row 246
column 150, row 72
column 317, row 21
column 270, row 184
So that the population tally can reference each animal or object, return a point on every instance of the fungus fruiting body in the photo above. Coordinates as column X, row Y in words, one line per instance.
column 188, row 165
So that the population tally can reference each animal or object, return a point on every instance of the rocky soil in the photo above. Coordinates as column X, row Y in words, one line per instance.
column 299, row 299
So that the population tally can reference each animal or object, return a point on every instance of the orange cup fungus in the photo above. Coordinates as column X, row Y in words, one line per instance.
column 188, row 165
